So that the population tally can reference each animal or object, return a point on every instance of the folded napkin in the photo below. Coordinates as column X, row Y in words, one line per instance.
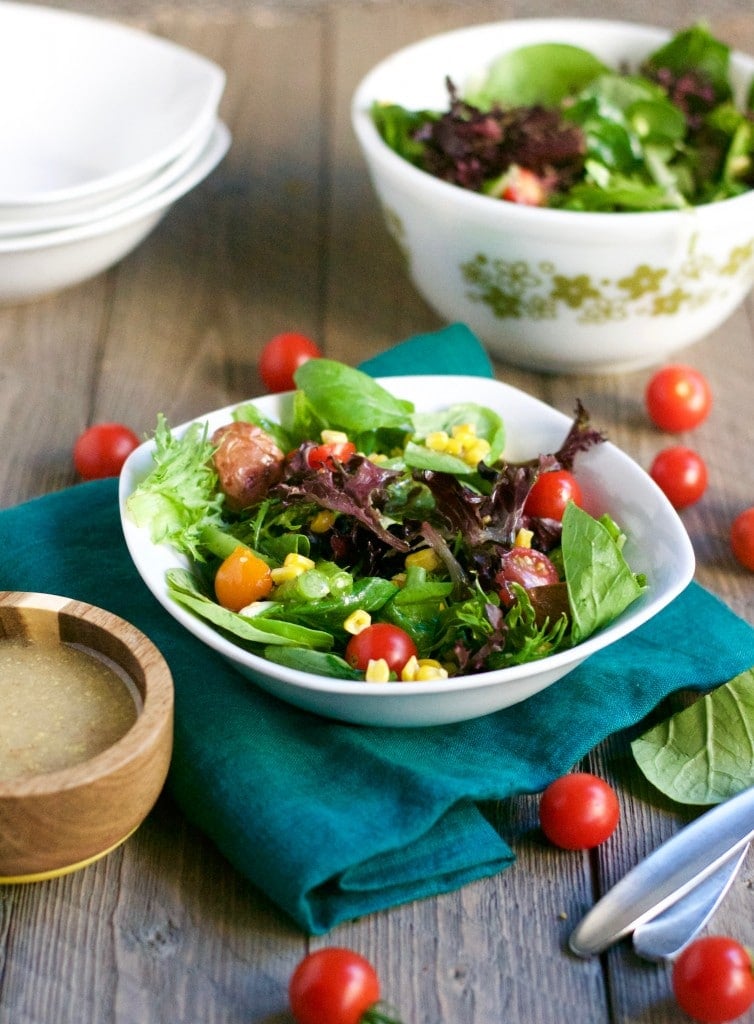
column 332, row 820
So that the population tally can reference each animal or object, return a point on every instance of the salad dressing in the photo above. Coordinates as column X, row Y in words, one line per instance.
column 61, row 705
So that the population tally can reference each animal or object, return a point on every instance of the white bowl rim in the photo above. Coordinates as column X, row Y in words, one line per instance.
column 165, row 177
column 446, row 192
column 630, row 620
column 214, row 84
column 214, row 150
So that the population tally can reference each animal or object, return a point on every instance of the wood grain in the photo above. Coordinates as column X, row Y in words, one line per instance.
column 286, row 234
column 56, row 821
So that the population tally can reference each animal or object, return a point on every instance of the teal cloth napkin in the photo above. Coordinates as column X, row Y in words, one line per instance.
column 334, row 821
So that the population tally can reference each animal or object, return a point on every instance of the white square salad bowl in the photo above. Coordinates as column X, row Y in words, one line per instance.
column 657, row 545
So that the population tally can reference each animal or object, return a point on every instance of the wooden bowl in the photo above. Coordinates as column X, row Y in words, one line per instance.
column 58, row 821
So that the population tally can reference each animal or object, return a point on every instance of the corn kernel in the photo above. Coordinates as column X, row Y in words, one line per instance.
column 523, row 538
column 333, row 437
column 429, row 663
column 322, row 521
column 409, row 670
column 426, row 558
column 427, row 673
column 437, row 441
column 378, row 671
column 464, row 430
column 454, row 446
column 399, row 579
column 283, row 573
column 477, row 452
column 357, row 621
column 298, row 561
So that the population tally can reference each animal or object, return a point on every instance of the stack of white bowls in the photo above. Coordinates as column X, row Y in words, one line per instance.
column 103, row 128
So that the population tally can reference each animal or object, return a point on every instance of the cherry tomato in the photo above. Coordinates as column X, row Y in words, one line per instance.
column 282, row 356
column 242, row 578
column 527, row 567
column 101, row 450
column 681, row 473
column 551, row 493
column 525, row 187
column 742, row 538
column 578, row 811
column 678, row 398
column 713, row 980
column 324, row 456
column 333, row 986
column 380, row 640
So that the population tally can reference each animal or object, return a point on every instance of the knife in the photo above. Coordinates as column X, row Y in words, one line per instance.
column 668, row 874
column 664, row 936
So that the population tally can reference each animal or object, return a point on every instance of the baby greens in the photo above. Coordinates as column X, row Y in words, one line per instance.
column 403, row 491
column 667, row 135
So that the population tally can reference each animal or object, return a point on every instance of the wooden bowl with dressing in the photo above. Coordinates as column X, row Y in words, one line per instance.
column 86, row 733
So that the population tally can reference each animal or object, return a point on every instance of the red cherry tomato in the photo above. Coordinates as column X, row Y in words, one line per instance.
column 101, row 450
column 380, row 640
column 324, row 456
column 282, row 356
column 578, row 811
column 525, row 187
column 681, row 473
column 678, row 398
column 527, row 567
column 333, row 986
column 713, row 980
column 551, row 493
column 742, row 538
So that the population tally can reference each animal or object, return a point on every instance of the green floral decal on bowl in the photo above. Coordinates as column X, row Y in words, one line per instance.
column 518, row 289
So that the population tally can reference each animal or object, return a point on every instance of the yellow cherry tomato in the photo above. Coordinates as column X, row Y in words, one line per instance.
column 242, row 579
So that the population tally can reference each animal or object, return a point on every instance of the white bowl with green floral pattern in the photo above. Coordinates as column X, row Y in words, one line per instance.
column 547, row 289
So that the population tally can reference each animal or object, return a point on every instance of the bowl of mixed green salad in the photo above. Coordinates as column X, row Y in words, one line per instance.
column 380, row 551
column 579, row 192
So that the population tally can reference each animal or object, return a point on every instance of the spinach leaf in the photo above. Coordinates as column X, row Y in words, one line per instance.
column 257, row 630
column 695, row 49
column 347, row 399
column 318, row 663
column 705, row 753
column 600, row 582
column 543, row 73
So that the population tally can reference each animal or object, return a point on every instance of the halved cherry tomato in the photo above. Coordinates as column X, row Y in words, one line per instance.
column 282, row 356
column 324, row 456
column 335, row 986
column 578, row 811
column 241, row 579
column 742, row 538
column 678, row 398
column 713, row 979
column 551, row 493
column 681, row 473
column 101, row 450
column 527, row 567
column 381, row 640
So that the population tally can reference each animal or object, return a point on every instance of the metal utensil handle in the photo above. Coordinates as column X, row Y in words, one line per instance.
column 667, row 874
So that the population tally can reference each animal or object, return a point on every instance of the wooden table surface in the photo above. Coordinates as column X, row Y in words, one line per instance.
column 286, row 234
